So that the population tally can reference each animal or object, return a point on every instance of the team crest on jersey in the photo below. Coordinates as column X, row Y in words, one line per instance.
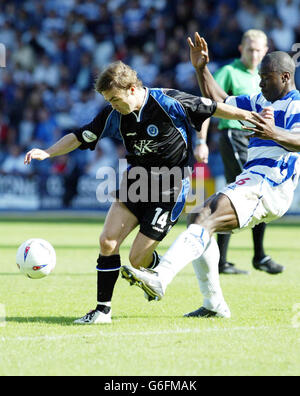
column 152, row 130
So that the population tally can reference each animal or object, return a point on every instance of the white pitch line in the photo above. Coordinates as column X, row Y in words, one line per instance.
column 135, row 334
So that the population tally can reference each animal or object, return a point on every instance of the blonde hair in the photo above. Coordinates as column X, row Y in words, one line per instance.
column 254, row 34
column 117, row 75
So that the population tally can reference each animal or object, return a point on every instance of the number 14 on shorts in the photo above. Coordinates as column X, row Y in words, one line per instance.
column 160, row 218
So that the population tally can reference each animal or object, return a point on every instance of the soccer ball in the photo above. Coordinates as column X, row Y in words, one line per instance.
column 36, row 258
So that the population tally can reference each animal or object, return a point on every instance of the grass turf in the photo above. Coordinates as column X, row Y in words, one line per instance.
column 39, row 338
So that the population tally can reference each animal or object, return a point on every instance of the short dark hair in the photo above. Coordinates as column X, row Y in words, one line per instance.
column 279, row 62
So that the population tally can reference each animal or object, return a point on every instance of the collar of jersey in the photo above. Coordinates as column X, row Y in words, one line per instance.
column 291, row 93
column 139, row 115
column 238, row 63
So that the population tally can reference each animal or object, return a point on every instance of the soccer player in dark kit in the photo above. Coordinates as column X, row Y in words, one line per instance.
column 156, row 126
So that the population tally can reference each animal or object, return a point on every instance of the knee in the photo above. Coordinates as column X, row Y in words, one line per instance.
column 108, row 244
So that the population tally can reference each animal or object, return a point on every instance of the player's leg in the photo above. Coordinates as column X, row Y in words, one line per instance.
column 217, row 214
column 233, row 149
column 207, row 273
column 258, row 233
column 223, row 243
column 118, row 225
column 143, row 253
column 156, row 220
column 260, row 260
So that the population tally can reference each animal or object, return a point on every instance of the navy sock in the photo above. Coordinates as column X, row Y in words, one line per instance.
column 258, row 233
column 108, row 269
column 223, row 242
column 155, row 260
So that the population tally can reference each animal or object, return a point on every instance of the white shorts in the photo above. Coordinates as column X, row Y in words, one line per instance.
column 256, row 201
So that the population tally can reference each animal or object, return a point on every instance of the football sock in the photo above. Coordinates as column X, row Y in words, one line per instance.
column 186, row 248
column 155, row 260
column 103, row 308
column 108, row 269
column 258, row 233
column 223, row 242
column 207, row 273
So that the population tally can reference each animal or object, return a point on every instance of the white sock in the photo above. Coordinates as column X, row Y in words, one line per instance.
column 189, row 246
column 207, row 271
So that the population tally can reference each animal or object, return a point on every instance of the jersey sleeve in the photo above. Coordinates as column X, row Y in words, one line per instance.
column 195, row 108
column 245, row 102
column 105, row 124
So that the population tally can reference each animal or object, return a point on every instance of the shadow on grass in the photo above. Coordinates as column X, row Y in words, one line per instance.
column 10, row 274
column 55, row 320
column 57, row 247
column 69, row 321
column 53, row 220
column 67, row 274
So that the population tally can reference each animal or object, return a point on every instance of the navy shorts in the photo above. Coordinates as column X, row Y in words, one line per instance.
column 156, row 218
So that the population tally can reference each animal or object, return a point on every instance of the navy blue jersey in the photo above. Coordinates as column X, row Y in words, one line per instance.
column 159, row 134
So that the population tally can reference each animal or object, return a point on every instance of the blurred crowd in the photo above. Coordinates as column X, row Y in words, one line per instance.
column 55, row 48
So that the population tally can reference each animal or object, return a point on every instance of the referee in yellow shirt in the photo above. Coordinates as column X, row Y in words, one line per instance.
column 239, row 78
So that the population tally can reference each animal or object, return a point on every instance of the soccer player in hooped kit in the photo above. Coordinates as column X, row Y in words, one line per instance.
column 240, row 77
column 262, row 192
column 156, row 126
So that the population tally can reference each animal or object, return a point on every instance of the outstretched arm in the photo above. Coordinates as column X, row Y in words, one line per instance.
column 65, row 145
column 200, row 58
column 233, row 113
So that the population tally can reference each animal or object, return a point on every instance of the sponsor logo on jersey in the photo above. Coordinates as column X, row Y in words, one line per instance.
column 89, row 136
column 144, row 146
column 152, row 130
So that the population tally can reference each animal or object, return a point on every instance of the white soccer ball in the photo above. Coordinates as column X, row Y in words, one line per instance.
column 36, row 258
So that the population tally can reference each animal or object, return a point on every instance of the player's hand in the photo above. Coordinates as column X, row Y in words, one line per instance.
column 36, row 154
column 198, row 51
column 264, row 125
column 201, row 153
column 268, row 113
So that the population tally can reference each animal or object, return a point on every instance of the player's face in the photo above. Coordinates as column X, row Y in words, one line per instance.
column 272, row 84
column 124, row 101
column 252, row 52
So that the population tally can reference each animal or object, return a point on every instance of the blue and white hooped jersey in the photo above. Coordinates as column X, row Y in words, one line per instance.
column 266, row 157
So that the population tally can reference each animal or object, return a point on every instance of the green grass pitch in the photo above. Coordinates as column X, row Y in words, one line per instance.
column 38, row 336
